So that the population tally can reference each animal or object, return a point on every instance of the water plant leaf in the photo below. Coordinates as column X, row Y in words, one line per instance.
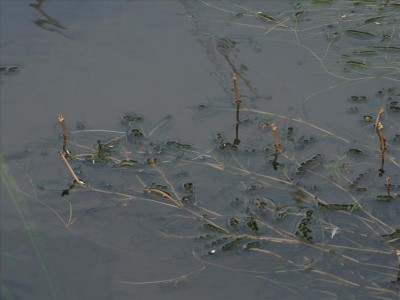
column 252, row 225
column 356, row 63
column 265, row 17
column 233, row 244
column 359, row 33
column 394, row 48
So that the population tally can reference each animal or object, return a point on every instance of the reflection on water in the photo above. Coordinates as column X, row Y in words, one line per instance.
column 47, row 23
column 46, row 20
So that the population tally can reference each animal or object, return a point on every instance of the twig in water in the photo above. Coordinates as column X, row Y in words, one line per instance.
column 379, row 131
column 378, row 117
column 275, row 134
column 235, row 89
column 165, row 195
column 61, row 120
column 237, row 95
column 76, row 179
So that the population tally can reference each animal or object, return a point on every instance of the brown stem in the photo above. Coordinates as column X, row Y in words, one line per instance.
column 62, row 155
column 382, row 141
column 275, row 134
column 235, row 89
column 61, row 120
column 378, row 117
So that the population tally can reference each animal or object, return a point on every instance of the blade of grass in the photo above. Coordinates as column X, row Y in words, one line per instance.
column 12, row 189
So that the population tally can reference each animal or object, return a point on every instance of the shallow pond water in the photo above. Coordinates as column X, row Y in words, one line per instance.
column 186, row 192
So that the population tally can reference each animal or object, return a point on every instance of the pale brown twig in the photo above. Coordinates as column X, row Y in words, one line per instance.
column 62, row 155
column 61, row 120
column 165, row 195
column 379, row 130
column 235, row 89
column 378, row 117
column 275, row 134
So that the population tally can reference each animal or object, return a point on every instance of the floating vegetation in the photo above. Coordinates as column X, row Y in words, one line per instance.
column 356, row 63
column 233, row 244
column 265, row 205
column 289, row 196
column 131, row 118
column 174, row 144
column 367, row 118
column 127, row 163
column 394, row 106
column 355, row 151
column 394, row 48
column 252, row 225
column 392, row 237
column 303, row 230
column 310, row 163
column 359, row 33
column 136, row 133
column 358, row 98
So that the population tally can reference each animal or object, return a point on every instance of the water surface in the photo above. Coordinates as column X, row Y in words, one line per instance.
column 325, row 224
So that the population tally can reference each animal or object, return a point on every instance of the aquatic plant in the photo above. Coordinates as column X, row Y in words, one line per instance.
column 274, row 212
column 277, row 194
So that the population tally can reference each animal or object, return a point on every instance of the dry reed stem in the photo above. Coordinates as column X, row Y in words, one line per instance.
column 177, row 201
column 204, row 218
column 62, row 155
column 275, row 134
column 267, row 252
column 378, row 117
column 165, row 195
column 382, row 139
column 61, row 120
column 345, row 281
column 235, row 89
column 379, row 131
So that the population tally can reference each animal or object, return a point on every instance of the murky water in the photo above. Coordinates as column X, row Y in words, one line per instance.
column 181, row 200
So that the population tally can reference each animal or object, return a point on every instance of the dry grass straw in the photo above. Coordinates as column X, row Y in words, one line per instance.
column 379, row 130
column 235, row 89
column 76, row 179
column 64, row 153
column 275, row 134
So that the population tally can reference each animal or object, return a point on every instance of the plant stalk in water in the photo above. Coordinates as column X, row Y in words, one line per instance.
column 76, row 179
column 61, row 120
column 237, row 95
column 275, row 134
column 382, row 141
